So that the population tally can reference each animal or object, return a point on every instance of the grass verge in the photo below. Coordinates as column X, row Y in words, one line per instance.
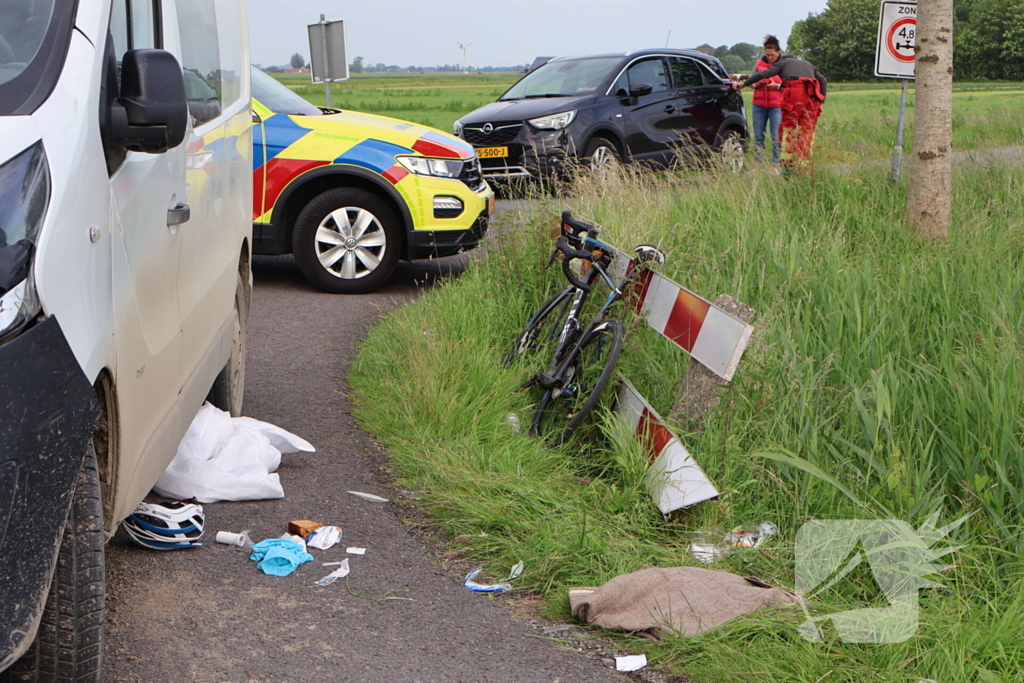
column 883, row 380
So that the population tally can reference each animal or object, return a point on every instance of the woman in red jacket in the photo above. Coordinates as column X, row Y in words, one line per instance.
column 767, row 108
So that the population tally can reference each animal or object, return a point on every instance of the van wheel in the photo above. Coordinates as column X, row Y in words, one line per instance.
column 69, row 645
column 229, row 387
column 347, row 241
column 732, row 151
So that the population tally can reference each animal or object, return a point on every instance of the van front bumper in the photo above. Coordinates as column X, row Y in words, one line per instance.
column 48, row 412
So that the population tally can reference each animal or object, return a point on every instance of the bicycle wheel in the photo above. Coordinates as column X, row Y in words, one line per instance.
column 563, row 409
column 544, row 327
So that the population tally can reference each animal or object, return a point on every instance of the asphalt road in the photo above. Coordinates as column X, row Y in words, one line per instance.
column 208, row 615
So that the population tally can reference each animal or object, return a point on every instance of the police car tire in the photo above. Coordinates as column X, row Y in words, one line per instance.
column 69, row 644
column 304, row 240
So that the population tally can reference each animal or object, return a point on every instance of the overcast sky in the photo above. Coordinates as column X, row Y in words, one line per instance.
column 426, row 32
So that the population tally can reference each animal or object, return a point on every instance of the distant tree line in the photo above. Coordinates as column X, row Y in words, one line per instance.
column 740, row 58
column 360, row 65
column 988, row 39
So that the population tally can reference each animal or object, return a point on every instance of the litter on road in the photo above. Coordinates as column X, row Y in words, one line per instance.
column 368, row 496
column 228, row 458
column 630, row 662
column 303, row 527
column 355, row 551
column 241, row 540
column 473, row 585
column 325, row 537
column 341, row 572
column 279, row 556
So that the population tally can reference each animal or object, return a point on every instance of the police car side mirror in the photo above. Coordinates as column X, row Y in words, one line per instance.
column 151, row 114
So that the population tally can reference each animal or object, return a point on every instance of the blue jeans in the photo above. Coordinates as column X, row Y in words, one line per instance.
column 762, row 117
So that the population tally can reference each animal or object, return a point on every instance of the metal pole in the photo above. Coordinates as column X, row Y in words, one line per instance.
column 327, row 71
column 897, row 150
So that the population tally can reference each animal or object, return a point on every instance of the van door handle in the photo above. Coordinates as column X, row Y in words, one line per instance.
column 669, row 109
column 178, row 215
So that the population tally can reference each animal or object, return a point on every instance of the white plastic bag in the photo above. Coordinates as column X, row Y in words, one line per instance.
column 225, row 458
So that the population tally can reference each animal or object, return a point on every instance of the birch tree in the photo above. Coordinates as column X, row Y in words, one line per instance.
column 931, row 170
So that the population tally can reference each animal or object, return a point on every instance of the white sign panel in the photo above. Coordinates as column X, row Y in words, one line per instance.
column 328, row 62
column 897, row 36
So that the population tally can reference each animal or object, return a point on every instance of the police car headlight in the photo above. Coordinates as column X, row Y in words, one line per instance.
column 24, row 195
column 438, row 168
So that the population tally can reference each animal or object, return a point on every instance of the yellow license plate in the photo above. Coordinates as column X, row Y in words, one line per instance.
column 490, row 205
column 492, row 152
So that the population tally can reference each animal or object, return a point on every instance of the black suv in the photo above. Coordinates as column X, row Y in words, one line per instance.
column 645, row 106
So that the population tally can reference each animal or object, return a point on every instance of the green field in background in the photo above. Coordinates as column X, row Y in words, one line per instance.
column 859, row 119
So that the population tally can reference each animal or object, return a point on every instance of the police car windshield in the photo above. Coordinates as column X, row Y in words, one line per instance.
column 563, row 79
column 278, row 98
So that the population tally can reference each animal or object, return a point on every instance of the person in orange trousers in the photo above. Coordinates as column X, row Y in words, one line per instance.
column 803, row 92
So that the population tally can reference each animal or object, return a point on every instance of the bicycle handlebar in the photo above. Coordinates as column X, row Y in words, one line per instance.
column 563, row 246
column 577, row 226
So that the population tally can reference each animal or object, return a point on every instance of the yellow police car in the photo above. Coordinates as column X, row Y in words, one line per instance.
column 350, row 194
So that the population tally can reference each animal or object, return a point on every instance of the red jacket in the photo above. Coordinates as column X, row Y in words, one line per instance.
column 767, row 97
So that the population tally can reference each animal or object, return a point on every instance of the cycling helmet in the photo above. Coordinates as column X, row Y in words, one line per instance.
column 166, row 527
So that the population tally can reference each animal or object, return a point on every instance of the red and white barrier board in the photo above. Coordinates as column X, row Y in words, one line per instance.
column 674, row 479
column 711, row 336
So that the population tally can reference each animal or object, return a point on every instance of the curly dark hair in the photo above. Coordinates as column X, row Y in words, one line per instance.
column 771, row 41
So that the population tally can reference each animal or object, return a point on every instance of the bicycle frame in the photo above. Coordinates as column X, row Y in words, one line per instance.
column 571, row 333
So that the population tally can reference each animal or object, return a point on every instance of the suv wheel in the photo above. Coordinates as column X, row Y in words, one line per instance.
column 732, row 151
column 346, row 241
column 600, row 156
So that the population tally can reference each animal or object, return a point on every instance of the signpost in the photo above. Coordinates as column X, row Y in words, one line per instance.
column 894, row 58
column 328, row 61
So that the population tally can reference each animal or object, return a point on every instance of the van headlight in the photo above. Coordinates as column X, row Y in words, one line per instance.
column 24, row 195
column 553, row 122
column 438, row 168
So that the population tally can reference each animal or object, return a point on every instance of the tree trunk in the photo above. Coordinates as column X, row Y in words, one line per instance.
column 931, row 170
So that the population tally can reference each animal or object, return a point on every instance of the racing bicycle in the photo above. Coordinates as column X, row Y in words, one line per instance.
column 583, row 357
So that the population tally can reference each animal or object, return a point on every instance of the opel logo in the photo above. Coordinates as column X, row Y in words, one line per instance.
column 488, row 129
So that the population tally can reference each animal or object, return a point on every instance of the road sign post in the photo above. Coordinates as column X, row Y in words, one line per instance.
column 328, row 60
column 894, row 58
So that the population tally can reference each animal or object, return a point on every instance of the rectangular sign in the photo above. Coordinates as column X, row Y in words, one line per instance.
column 897, row 37
column 711, row 336
column 336, row 66
column 674, row 479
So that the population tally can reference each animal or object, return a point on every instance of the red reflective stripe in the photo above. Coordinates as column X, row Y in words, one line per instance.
column 646, row 278
column 429, row 148
column 280, row 172
column 395, row 173
column 653, row 434
column 686, row 319
column 257, row 193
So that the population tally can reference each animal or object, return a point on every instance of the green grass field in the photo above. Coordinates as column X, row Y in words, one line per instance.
column 858, row 123
column 884, row 380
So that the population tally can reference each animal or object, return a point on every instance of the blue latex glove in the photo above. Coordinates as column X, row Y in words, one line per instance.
column 279, row 556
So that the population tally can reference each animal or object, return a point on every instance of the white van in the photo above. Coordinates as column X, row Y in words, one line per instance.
column 125, row 198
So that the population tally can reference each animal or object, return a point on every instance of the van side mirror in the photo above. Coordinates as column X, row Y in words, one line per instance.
column 151, row 115
column 638, row 90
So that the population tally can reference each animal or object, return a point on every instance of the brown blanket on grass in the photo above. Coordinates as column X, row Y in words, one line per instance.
column 688, row 600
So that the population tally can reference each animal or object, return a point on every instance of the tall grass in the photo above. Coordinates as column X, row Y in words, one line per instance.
column 883, row 380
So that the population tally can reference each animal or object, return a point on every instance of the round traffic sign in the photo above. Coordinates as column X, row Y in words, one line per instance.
column 899, row 39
